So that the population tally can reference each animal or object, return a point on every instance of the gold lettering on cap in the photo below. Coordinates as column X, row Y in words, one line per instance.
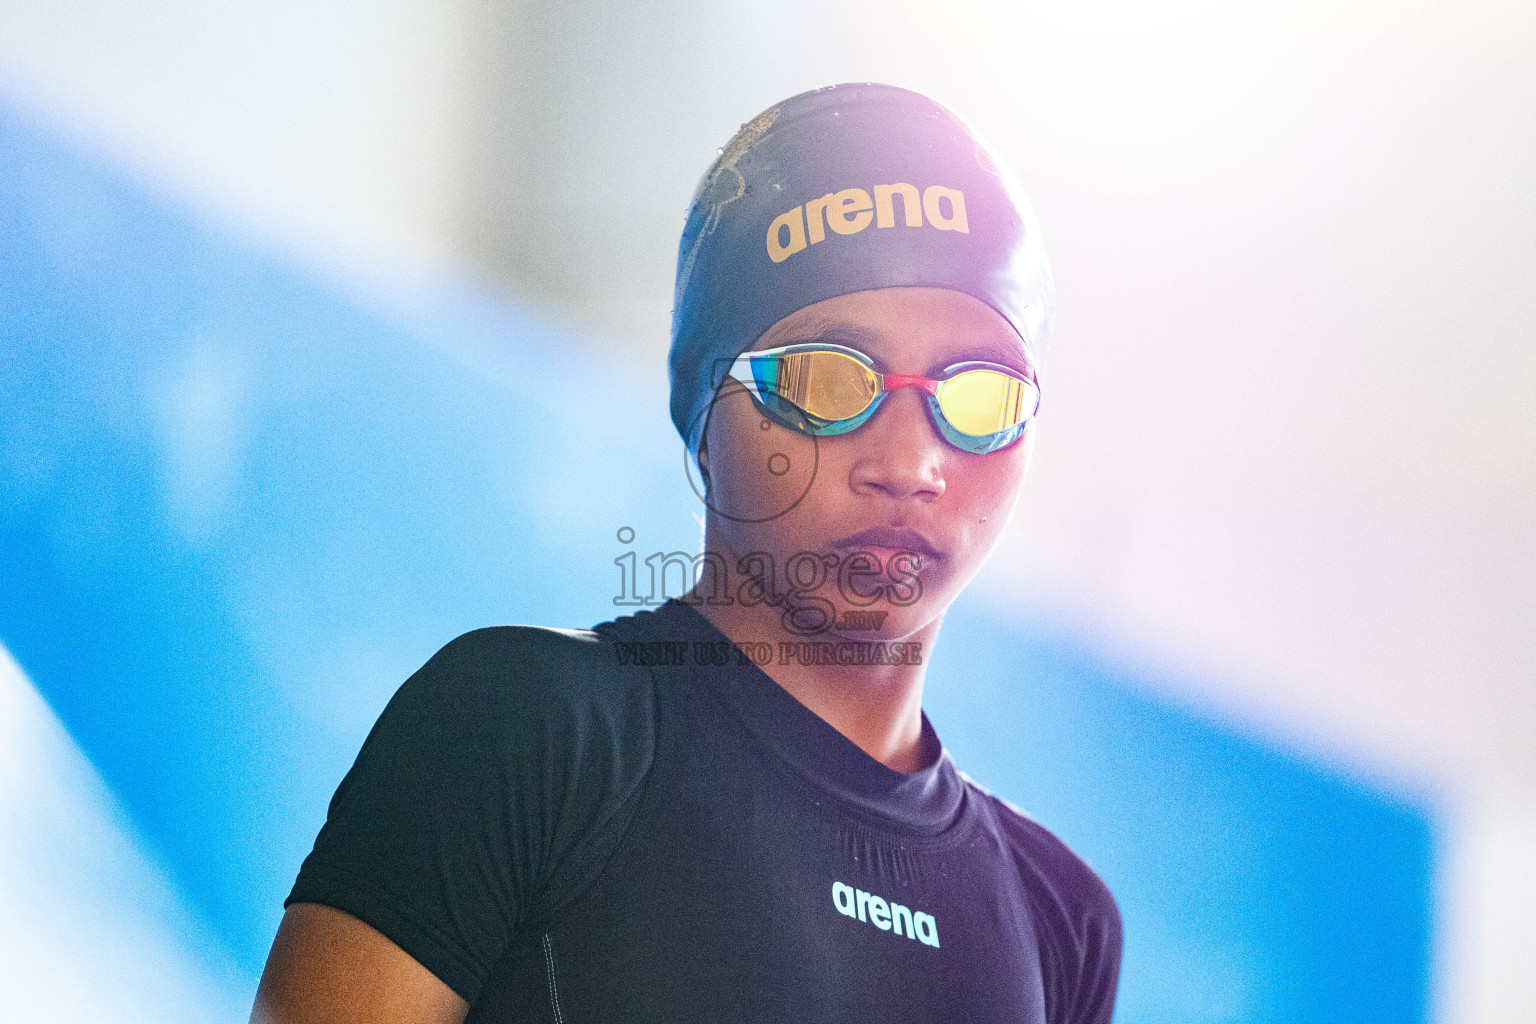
column 850, row 211
column 911, row 205
column 794, row 223
column 956, row 220
column 815, row 213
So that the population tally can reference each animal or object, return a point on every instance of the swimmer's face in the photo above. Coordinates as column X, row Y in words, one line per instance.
column 815, row 496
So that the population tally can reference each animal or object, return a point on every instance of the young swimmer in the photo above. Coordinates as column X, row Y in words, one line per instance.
column 732, row 807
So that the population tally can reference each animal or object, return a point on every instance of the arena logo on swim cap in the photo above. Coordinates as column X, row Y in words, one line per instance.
column 852, row 210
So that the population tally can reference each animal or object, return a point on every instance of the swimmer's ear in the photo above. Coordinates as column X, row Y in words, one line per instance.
column 704, row 462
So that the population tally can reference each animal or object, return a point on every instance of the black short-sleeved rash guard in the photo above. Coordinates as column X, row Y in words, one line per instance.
column 599, row 825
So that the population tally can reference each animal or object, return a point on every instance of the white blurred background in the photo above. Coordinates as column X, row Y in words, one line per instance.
column 1289, row 441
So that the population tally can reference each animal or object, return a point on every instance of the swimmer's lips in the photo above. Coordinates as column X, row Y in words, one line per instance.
column 891, row 539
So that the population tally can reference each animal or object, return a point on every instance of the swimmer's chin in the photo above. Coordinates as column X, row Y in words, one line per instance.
column 874, row 624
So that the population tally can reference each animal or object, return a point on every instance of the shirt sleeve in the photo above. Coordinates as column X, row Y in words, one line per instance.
column 1077, row 923
column 1098, row 967
column 488, row 795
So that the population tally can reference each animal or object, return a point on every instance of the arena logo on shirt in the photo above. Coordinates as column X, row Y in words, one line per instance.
column 887, row 916
column 852, row 210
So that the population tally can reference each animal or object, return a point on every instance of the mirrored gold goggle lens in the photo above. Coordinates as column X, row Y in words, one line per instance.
column 828, row 385
column 980, row 402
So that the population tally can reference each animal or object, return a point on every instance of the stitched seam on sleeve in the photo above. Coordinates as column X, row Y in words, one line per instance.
column 549, row 969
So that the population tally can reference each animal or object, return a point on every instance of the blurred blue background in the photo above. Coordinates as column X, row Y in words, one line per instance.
column 239, row 505
column 288, row 292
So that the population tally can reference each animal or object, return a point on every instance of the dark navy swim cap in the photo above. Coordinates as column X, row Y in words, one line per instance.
column 839, row 190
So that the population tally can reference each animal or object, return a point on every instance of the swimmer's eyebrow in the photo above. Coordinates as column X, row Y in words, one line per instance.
column 833, row 333
column 1015, row 357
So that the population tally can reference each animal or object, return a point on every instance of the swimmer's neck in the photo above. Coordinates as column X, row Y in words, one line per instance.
column 878, row 707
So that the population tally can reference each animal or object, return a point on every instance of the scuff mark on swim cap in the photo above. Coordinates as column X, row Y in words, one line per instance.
column 746, row 137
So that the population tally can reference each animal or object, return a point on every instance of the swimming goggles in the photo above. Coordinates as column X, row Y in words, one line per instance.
column 823, row 389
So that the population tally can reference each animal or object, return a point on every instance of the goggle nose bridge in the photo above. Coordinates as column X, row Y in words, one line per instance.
column 892, row 381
